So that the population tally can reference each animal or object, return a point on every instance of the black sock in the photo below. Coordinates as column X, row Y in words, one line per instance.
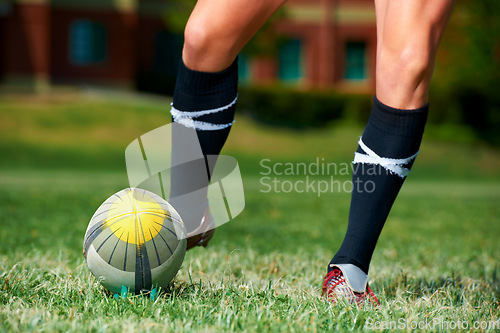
column 204, row 102
column 200, row 91
column 390, row 134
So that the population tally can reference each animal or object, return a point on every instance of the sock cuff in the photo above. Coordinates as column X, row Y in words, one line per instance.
column 400, row 122
column 208, row 83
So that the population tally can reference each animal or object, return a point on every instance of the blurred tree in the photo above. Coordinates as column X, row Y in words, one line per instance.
column 468, row 65
column 177, row 14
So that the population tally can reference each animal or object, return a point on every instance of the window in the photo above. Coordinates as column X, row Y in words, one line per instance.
column 290, row 60
column 244, row 73
column 87, row 43
column 355, row 61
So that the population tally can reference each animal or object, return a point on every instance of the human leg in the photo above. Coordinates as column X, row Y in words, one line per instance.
column 408, row 36
column 205, row 95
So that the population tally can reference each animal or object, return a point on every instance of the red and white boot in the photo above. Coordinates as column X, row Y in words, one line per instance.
column 348, row 282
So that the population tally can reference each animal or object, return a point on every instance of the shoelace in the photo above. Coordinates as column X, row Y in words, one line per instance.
column 335, row 286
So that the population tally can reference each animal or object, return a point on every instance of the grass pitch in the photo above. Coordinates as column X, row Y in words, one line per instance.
column 435, row 267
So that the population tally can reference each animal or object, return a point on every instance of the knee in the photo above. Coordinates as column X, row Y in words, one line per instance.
column 196, row 42
column 403, row 76
column 415, row 61
column 207, row 47
column 410, row 66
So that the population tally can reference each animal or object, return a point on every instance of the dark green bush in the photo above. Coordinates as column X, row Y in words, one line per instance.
column 286, row 106
column 466, row 105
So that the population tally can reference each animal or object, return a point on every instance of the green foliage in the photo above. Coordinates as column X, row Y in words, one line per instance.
column 470, row 50
column 177, row 14
column 460, row 113
column 285, row 106
column 467, row 77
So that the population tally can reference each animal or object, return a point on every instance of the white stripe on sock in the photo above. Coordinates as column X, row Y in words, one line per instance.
column 185, row 118
column 201, row 125
column 395, row 166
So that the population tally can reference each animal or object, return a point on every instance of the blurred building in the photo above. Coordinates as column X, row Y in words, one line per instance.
column 329, row 43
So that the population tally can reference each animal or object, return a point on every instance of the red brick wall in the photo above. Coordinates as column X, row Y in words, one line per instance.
column 324, row 43
column 119, row 65
column 264, row 70
column 319, row 50
column 26, row 41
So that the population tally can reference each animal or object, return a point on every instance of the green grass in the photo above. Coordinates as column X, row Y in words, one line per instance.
column 437, row 258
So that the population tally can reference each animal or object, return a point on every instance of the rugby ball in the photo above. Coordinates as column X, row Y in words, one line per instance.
column 136, row 240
